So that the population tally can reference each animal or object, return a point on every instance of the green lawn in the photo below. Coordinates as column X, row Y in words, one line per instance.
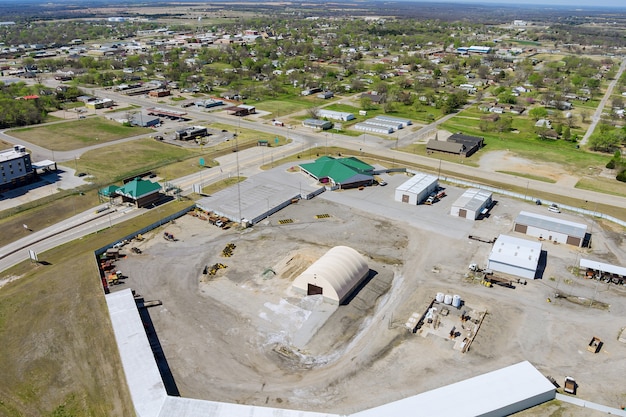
column 112, row 163
column 77, row 134
column 284, row 105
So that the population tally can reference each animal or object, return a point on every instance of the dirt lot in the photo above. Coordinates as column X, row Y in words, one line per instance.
column 244, row 336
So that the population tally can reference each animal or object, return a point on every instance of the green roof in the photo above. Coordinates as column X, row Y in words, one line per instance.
column 108, row 191
column 138, row 188
column 340, row 171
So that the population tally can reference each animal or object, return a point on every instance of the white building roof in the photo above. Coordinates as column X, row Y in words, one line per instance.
column 417, row 183
column 515, row 251
column 600, row 266
column 11, row 154
column 552, row 223
column 482, row 395
column 472, row 199
column 142, row 373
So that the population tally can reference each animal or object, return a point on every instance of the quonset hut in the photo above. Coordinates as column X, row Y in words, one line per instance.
column 335, row 275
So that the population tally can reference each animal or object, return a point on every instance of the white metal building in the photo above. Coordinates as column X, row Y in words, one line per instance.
column 403, row 122
column 368, row 127
column 335, row 115
column 498, row 393
column 417, row 188
column 515, row 256
column 471, row 204
column 550, row 228
column 335, row 275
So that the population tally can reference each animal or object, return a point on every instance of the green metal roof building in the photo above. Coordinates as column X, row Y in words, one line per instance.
column 140, row 192
column 343, row 172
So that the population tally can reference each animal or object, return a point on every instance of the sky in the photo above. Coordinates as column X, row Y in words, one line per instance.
column 545, row 3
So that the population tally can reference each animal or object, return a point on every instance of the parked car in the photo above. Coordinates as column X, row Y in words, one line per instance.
column 554, row 208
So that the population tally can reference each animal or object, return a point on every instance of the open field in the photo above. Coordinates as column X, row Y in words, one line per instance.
column 58, row 353
column 112, row 163
column 77, row 134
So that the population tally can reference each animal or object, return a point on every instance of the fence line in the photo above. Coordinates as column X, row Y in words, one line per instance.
column 527, row 197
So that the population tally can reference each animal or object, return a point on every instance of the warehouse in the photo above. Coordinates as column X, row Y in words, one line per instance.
column 488, row 394
column 371, row 128
column 335, row 115
column 515, row 256
column 472, row 204
column 341, row 173
column 417, row 188
column 335, row 275
column 403, row 122
column 550, row 228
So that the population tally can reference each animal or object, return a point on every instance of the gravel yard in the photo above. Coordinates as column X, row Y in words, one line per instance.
column 243, row 336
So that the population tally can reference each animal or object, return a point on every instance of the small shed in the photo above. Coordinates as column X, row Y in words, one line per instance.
column 550, row 228
column 417, row 189
column 515, row 256
column 334, row 276
column 471, row 204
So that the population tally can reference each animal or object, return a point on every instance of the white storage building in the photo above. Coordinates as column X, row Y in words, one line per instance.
column 486, row 395
column 515, row 256
column 403, row 122
column 335, row 115
column 335, row 275
column 368, row 127
column 550, row 228
column 471, row 204
column 417, row 188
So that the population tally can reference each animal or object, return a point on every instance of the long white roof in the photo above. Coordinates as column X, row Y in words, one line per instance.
column 483, row 395
column 600, row 266
column 515, row 251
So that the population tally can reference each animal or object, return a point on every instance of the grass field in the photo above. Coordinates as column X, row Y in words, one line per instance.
column 112, row 163
column 283, row 106
column 59, row 356
column 77, row 134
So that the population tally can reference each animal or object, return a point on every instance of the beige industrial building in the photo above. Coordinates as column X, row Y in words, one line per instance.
column 335, row 275
column 550, row 228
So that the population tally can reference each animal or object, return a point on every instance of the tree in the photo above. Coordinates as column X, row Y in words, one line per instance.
column 567, row 133
column 366, row 103
column 606, row 142
column 538, row 113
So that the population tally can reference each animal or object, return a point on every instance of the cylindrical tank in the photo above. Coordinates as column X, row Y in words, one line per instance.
column 456, row 301
column 447, row 299
column 439, row 297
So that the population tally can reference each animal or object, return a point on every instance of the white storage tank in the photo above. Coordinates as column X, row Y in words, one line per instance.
column 439, row 297
column 447, row 299
column 456, row 301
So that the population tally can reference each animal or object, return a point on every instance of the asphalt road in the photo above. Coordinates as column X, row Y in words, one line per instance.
column 597, row 115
